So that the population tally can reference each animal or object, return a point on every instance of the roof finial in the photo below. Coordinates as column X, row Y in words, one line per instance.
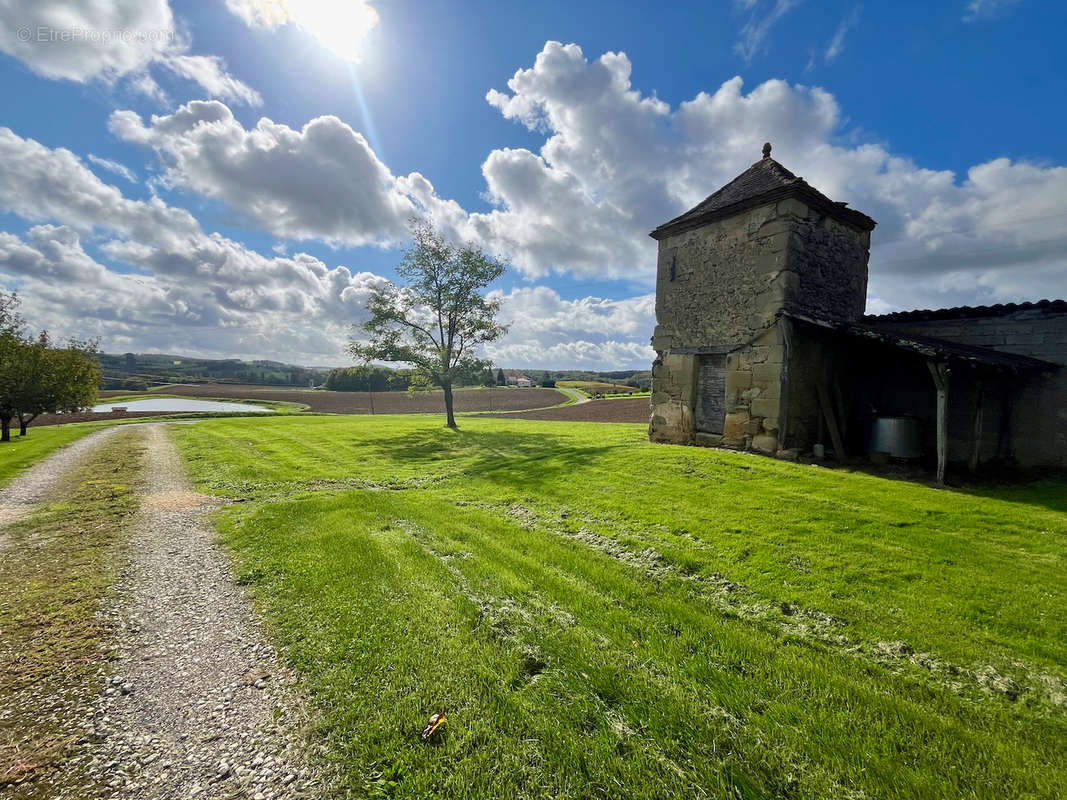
column 767, row 150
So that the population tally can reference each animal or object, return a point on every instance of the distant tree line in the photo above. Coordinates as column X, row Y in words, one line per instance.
column 367, row 378
column 38, row 376
column 137, row 371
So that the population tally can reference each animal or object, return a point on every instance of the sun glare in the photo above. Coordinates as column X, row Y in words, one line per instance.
column 339, row 25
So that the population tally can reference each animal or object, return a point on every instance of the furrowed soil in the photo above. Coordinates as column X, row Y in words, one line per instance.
column 376, row 402
column 624, row 409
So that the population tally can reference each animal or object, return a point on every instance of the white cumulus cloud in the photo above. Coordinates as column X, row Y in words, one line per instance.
column 87, row 40
column 321, row 182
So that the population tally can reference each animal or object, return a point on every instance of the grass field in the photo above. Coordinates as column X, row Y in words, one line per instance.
column 38, row 443
column 56, row 567
column 602, row 617
column 594, row 387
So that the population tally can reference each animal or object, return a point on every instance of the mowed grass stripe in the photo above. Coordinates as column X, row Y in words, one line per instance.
column 678, row 697
column 439, row 650
column 23, row 452
column 395, row 601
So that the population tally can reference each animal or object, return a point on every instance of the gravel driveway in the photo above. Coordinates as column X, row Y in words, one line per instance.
column 194, row 702
column 18, row 498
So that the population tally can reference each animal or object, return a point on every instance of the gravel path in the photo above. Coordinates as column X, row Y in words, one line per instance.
column 196, row 702
column 18, row 498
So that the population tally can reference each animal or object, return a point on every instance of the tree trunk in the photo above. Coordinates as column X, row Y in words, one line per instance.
column 450, row 419
column 5, row 429
column 22, row 426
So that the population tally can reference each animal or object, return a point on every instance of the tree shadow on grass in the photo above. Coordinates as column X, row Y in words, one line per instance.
column 514, row 459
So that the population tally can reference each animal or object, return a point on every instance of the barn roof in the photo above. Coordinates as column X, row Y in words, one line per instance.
column 969, row 312
column 764, row 182
column 931, row 347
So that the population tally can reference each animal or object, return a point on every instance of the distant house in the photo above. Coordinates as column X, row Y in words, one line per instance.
column 521, row 381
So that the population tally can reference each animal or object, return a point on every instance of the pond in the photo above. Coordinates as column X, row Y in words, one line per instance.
column 179, row 404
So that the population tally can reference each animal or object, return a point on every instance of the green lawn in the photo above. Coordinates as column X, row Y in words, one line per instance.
column 24, row 451
column 602, row 617
column 56, row 567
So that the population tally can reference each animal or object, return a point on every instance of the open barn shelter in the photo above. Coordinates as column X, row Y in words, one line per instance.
column 762, row 343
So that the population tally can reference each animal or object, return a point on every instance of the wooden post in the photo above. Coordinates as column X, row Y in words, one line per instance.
column 1004, row 449
column 831, row 423
column 783, row 392
column 979, row 403
column 940, row 373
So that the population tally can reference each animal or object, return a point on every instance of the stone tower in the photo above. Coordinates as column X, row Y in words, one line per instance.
column 764, row 245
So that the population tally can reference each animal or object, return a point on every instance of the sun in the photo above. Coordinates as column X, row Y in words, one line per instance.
column 339, row 25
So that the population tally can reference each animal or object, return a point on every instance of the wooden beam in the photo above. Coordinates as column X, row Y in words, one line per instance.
column 839, row 404
column 1004, row 449
column 831, row 422
column 979, row 403
column 786, row 329
column 940, row 373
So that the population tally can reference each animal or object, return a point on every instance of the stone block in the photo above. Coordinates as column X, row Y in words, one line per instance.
column 776, row 225
column 765, row 374
column 751, row 428
column 762, row 407
column 707, row 439
column 734, row 425
column 765, row 444
column 737, row 381
column 770, row 425
column 775, row 353
column 736, row 442
column 677, row 363
column 789, row 455
column 771, row 391
column 792, row 206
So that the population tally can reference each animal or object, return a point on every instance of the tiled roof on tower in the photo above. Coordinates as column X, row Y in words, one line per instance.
column 764, row 182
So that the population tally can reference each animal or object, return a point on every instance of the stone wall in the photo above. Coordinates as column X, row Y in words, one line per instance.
column 830, row 260
column 673, row 384
column 728, row 281
column 722, row 287
column 1038, row 420
column 754, row 393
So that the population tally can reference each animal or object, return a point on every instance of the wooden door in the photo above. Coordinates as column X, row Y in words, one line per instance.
column 710, row 407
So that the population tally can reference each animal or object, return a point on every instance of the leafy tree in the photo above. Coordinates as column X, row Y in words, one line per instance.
column 437, row 319
column 37, row 378
column 11, row 322
column 547, row 381
column 12, row 353
column 53, row 379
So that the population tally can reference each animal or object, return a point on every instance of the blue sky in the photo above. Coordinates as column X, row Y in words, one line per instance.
column 143, row 201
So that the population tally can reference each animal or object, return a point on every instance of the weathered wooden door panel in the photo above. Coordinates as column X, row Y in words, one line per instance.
column 710, row 406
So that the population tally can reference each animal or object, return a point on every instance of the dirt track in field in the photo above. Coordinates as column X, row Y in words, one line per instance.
column 626, row 409
column 190, row 698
